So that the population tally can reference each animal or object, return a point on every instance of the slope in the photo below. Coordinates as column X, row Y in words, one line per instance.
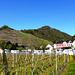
column 48, row 33
column 9, row 34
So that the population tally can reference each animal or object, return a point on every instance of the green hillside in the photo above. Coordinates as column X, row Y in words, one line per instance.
column 48, row 33
column 14, row 36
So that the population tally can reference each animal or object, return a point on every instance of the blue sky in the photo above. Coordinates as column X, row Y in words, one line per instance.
column 33, row 14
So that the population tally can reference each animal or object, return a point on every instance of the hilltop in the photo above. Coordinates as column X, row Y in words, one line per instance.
column 15, row 36
column 48, row 33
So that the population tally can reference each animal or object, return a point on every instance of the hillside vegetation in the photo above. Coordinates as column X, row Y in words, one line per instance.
column 73, row 37
column 48, row 33
column 14, row 36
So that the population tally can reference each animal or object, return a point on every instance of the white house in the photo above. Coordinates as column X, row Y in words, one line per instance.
column 1, row 51
column 49, row 46
column 69, row 43
column 49, row 50
column 73, row 43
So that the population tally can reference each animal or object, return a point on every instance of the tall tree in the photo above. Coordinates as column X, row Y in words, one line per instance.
column 5, row 64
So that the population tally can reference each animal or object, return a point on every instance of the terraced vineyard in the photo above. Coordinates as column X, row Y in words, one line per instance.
column 30, row 64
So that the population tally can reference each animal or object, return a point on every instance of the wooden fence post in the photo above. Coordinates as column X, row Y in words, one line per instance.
column 38, row 70
column 56, row 63
column 52, row 73
column 5, row 64
column 42, row 62
column 32, row 62
column 60, row 69
column 26, row 64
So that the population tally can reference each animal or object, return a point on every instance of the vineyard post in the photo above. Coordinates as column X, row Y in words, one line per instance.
column 20, row 64
column 26, row 64
column 60, row 69
column 37, row 64
column 58, row 57
column 64, row 59
column 56, row 62
column 68, row 57
column 42, row 62
column 45, row 60
column 5, row 64
column 38, row 70
column 52, row 73
column 16, row 62
column 13, row 65
column 37, row 59
column 32, row 61
column 16, row 58
column 50, row 58
column 19, row 61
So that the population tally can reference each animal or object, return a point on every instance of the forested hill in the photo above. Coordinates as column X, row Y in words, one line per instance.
column 48, row 33
column 15, row 36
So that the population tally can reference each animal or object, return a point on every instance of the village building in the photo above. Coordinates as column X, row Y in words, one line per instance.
column 60, row 45
column 69, row 43
column 73, row 43
column 49, row 50
column 49, row 46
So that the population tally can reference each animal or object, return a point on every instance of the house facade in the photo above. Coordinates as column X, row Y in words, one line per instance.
column 49, row 46
column 60, row 45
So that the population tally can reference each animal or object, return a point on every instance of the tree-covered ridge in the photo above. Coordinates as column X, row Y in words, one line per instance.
column 48, row 33
column 14, row 36
column 5, row 27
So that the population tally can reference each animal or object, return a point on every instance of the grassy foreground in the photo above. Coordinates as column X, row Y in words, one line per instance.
column 25, row 64
column 70, row 68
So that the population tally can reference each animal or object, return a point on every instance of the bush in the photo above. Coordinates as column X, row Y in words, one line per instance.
column 35, row 72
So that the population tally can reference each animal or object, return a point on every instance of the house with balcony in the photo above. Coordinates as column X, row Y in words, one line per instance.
column 60, row 44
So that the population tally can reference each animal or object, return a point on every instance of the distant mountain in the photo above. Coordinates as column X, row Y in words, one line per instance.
column 48, row 33
column 14, row 36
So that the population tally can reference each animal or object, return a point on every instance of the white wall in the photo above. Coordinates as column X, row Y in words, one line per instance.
column 54, row 45
column 1, row 51
column 73, row 44
column 14, row 51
